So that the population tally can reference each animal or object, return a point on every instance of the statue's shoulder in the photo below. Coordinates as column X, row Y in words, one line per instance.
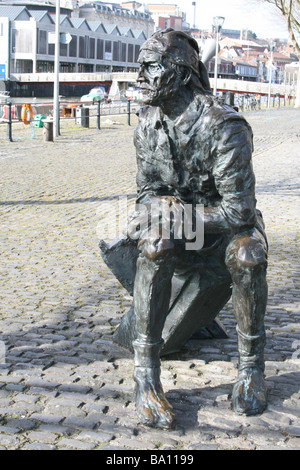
column 218, row 113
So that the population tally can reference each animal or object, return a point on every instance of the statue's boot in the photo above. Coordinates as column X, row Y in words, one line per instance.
column 152, row 407
column 249, row 395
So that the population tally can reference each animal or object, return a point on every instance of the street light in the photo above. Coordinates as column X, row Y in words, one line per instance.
column 194, row 5
column 272, row 45
column 218, row 23
column 56, row 71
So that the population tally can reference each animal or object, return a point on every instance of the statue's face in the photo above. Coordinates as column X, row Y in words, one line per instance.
column 158, row 79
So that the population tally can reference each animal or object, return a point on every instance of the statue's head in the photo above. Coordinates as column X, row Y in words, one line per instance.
column 168, row 61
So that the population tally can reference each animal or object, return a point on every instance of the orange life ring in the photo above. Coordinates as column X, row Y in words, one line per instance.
column 26, row 113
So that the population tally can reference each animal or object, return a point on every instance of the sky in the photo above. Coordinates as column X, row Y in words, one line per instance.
column 263, row 19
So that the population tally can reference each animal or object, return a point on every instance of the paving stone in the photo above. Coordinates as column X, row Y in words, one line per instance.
column 23, row 424
column 38, row 446
column 9, row 441
column 76, row 444
column 95, row 437
column 293, row 431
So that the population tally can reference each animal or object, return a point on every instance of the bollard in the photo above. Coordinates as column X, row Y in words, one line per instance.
column 48, row 131
column 128, row 112
column 9, row 123
column 98, row 115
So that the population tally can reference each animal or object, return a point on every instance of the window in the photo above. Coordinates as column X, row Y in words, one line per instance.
column 130, row 52
column 116, row 51
column 73, row 47
column 136, row 53
column 51, row 49
column 82, row 51
column 108, row 53
column 100, row 45
column 42, row 42
column 43, row 66
column 92, row 48
column 21, row 66
column 63, row 50
column 123, row 52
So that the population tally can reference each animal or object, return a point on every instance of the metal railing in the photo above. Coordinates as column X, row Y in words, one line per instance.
column 76, row 111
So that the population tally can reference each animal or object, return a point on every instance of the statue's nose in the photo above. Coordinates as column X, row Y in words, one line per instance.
column 141, row 76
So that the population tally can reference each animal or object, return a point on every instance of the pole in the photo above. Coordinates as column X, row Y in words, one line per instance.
column 270, row 77
column 194, row 5
column 216, row 63
column 98, row 115
column 56, row 72
column 9, row 123
column 128, row 112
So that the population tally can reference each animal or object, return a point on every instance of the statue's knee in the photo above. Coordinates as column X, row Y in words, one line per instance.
column 246, row 252
column 156, row 249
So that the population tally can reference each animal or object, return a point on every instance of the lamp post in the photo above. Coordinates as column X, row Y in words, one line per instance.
column 218, row 23
column 272, row 45
column 194, row 5
column 56, row 72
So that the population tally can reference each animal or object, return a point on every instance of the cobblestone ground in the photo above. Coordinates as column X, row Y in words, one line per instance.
column 64, row 384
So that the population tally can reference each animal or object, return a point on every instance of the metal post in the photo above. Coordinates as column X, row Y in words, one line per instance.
column 56, row 72
column 9, row 123
column 216, row 64
column 270, row 74
column 98, row 115
column 128, row 112
column 218, row 23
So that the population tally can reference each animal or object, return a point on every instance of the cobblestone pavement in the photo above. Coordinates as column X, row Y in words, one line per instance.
column 64, row 384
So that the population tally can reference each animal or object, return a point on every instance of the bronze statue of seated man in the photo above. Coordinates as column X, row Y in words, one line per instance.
column 192, row 151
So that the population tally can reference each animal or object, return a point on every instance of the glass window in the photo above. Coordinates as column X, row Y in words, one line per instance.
column 124, row 52
column 63, row 50
column 130, row 52
column 73, row 47
column 51, row 49
column 100, row 45
column 82, row 47
column 42, row 42
column 136, row 53
column 108, row 52
column 92, row 48
column 115, row 51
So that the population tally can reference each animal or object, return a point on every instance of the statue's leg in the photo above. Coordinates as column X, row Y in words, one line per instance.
column 152, row 289
column 246, row 259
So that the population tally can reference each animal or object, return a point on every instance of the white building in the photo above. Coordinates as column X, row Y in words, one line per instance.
column 26, row 44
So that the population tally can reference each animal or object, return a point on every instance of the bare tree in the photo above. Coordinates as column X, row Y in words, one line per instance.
column 290, row 9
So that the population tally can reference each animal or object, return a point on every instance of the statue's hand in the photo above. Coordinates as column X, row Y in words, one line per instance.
column 157, row 217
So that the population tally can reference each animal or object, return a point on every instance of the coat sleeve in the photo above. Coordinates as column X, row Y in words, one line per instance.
column 233, row 173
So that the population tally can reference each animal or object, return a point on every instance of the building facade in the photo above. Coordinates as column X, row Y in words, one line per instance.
column 27, row 44
column 167, row 15
column 132, row 15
